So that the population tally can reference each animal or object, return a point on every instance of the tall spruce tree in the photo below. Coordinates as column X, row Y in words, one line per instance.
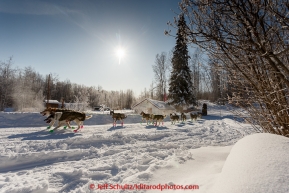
column 180, row 85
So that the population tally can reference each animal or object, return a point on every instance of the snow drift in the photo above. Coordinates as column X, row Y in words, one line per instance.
column 257, row 163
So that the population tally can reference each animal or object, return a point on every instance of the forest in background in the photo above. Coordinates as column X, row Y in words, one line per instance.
column 25, row 89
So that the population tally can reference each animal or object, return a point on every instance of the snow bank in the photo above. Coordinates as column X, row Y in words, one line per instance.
column 257, row 163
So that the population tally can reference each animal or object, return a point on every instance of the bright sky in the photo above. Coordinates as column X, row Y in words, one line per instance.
column 78, row 39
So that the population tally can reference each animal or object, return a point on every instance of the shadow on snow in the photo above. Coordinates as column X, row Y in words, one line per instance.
column 44, row 135
column 116, row 128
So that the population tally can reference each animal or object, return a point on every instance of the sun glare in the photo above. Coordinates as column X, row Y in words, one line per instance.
column 120, row 52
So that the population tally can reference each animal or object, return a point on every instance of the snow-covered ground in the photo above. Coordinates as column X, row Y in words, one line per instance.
column 133, row 156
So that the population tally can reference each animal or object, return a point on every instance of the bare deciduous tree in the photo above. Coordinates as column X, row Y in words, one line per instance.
column 7, row 75
column 250, row 41
column 160, row 70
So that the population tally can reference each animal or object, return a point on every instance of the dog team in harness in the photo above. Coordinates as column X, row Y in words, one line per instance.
column 151, row 118
column 65, row 116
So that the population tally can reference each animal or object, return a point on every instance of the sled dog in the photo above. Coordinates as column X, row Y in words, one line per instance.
column 146, row 117
column 117, row 116
column 174, row 118
column 199, row 115
column 183, row 117
column 193, row 116
column 65, row 117
column 158, row 118
column 50, row 113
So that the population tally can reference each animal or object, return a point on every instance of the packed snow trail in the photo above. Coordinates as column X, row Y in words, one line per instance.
column 64, row 161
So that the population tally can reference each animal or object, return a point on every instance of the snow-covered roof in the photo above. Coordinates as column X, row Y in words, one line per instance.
column 52, row 101
column 158, row 104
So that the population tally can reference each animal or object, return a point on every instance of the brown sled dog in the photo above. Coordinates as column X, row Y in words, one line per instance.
column 193, row 116
column 67, row 116
column 146, row 117
column 158, row 118
column 117, row 116
column 183, row 117
column 174, row 118
column 50, row 113
column 64, row 116
column 199, row 114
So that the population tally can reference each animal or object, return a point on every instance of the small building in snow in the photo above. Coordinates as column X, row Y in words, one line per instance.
column 153, row 107
column 51, row 103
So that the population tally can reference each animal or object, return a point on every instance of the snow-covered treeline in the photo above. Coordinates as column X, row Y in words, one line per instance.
column 25, row 90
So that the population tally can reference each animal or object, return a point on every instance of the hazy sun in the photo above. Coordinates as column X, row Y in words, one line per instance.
column 120, row 52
